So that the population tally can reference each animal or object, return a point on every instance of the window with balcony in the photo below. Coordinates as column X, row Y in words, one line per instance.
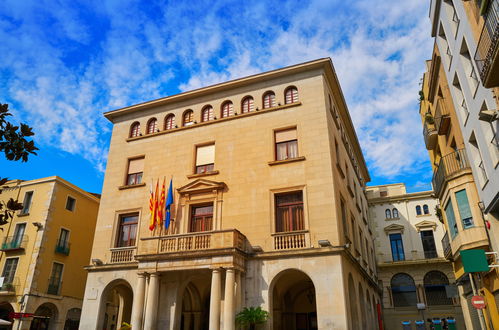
column 403, row 290
column 451, row 219
column 397, row 247
column 135, row 171
column 205, row 159
column 464, row 209
column 469, row 69
column 247, row 105
column 55, row 280
column 70, row 203
column 428, row 241
column 464, row 112
column 201, row 218
column 152, row 126
column 9, row 271
column 286, row 144
column 170, row 121
column 289, row 212
column 207, row 113
column 269, row 100
column 18, row 236
column 227, row 109
column 62, row 245
column 134, row 130
column 291, row 95
column 28, row 197
column 127, row 230
column 434, row 287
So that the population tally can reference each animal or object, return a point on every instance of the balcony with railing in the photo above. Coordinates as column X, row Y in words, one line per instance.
column 122, row 255
column 291, row 240
column 487, row 52
column 449, row 166
column 442, row 117
column 430, row 136
column 9, row 286
column 14, row 243
column 54, row 286
column 62, row 247
column 446, row 246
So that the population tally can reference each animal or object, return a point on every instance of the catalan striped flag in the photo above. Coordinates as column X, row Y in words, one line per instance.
column 153, row 204
column 161, row 205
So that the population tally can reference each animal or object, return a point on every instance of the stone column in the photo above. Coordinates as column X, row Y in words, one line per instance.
column 229, row 310
column 138, row 301
column 152, row 303
column 215, row 299
column 239, row 291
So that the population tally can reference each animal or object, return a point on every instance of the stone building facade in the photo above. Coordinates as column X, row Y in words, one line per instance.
column 269, row 209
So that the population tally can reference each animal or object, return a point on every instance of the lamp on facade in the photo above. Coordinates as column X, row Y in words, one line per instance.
column 97, row 262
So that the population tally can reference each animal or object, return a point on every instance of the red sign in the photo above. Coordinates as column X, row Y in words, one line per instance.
column 20, row 315
column 478, row 302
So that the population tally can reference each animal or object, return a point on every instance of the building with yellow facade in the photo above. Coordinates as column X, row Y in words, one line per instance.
column 269, row 210
column 43, row 251
column 455, row 187
column 417, row 280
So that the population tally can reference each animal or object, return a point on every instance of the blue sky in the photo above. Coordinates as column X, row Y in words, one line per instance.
column 64, row 63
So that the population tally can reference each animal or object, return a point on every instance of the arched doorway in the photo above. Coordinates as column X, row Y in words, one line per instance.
column 72, row 319
column 116, row 305
column 5, row 310
column 195, row 307
column 354, row 316
column 45, row 317
column 403, row 290
column 434, row 287
column 362, row 304
column 293, row 301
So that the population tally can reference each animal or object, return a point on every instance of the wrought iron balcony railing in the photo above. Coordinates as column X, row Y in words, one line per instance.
column 13, row 243
column 449, row 165
column 487, row 51
column 62, row 247
column 446, row 246
column 9, row 284
column 442, row 118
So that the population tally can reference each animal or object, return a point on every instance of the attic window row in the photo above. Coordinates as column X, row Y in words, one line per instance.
column 207, row 112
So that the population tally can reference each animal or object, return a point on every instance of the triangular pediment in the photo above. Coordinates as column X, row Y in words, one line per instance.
column 426, row 224
column 200, row 185
column 394, row 228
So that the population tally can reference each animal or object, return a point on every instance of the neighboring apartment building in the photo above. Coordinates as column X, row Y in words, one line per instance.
column 455, row 187
column 411, row 262
column 268, row 211
column 43, row 251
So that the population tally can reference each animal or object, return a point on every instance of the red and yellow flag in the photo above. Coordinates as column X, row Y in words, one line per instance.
column 153, row 205
column 161, row 205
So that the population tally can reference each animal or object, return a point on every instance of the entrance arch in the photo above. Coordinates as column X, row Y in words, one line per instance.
column 72, row 319
column 5, row 310
column 46, row 316
column 116, row 305
column 195, row 308
column 354, row 317
column 293, row 301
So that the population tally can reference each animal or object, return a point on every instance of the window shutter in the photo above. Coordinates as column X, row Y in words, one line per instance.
column 285, row 135
column 136, row 165
column 205, row 155
column 451, row 219
column 464, row 207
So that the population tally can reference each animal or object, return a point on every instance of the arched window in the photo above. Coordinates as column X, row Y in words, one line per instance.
column 388, row 214
column 135, row 129
column 247, row 105
column 425, row 209
column 227, row 109
column 152, row 126
column 207, row 113
column 434, row 288
column 418, row 210
column 395, row 213
column 291, row 95
column 403, row 290
column 188, row 118
column 268, row 100
column 170, row 121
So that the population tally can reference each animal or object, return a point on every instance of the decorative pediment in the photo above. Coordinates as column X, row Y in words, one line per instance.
column 394, row 228
column 426, row 224
column 199, row 186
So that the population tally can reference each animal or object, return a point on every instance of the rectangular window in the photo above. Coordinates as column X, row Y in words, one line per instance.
column 18, row 235
column 344, row 217
column 429, row 248
column 463, row 207
column 9, row 271
column 63, row 242
column 354, row 232
column 127, row 230
column 205, row 158
column 135, row 170
column 28, row 196
column 397, row 247
column 70, row 203
column 201, row 218
column 289, row 212
column 451, row 219
column 286, row 144
column 55, row 279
